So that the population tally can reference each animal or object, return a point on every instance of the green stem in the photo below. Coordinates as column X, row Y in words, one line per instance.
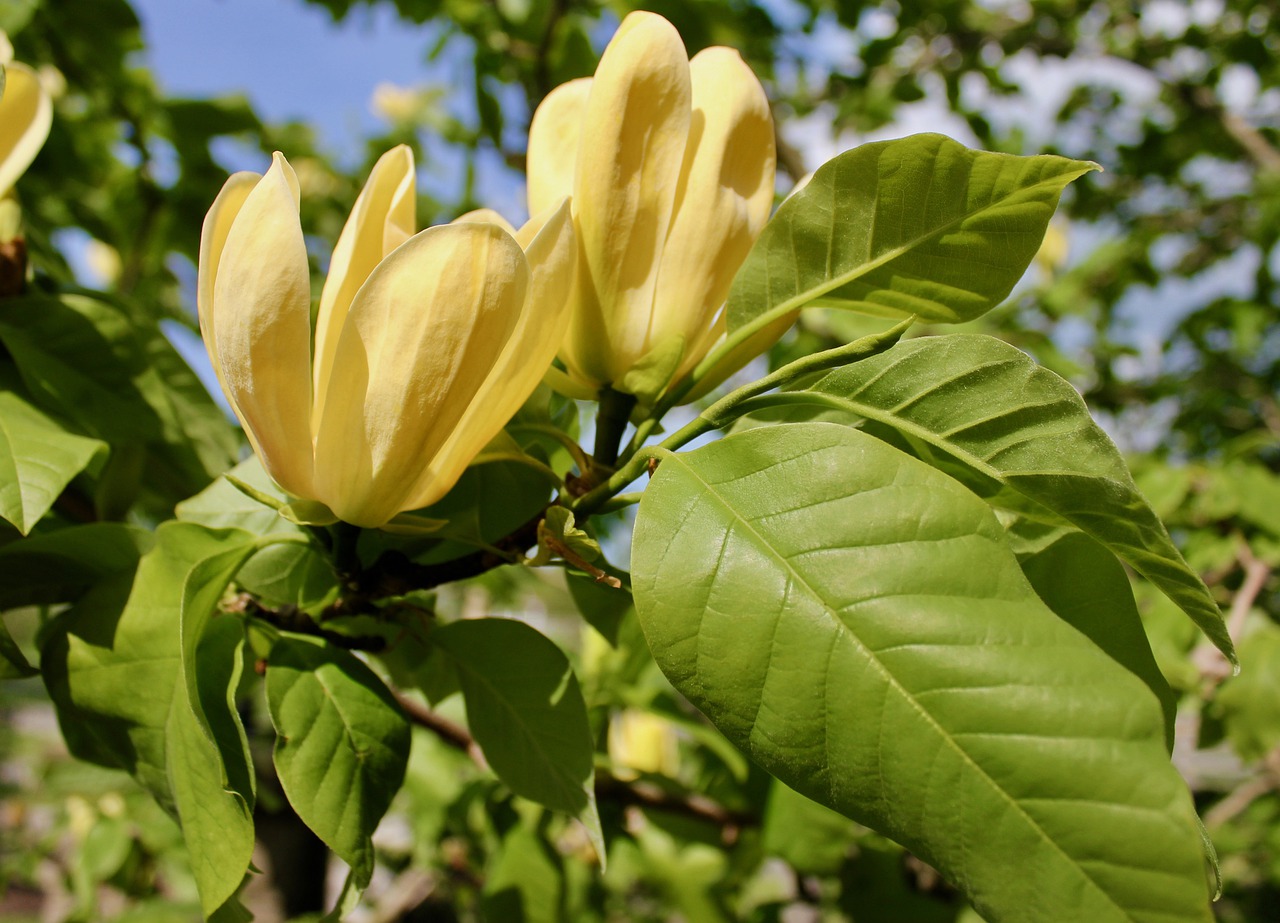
column 731, row 406
column 611, row 423
column 345, row 559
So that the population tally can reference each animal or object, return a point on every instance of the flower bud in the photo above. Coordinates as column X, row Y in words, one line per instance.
column 425, row 343
column 670, row 163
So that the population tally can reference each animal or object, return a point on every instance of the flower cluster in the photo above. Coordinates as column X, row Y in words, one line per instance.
column 648, row 186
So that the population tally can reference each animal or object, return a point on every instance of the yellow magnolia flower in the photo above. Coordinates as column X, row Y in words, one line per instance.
column 670, row 163
column 26, row 112
column 425, row 344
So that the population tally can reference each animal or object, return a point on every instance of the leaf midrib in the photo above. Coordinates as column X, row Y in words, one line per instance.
column 893, row 682
column 802, row 298
column 561, row 779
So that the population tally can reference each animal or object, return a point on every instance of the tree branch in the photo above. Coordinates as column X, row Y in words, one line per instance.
column 608, row 787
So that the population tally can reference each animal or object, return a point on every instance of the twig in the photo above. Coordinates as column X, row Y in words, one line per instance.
column 1211, row 662
column 1244, row 794
column 608, row 787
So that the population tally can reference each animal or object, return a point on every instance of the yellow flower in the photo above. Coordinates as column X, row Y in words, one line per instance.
column 670, row 163
column 26, row 112
column 425, row 344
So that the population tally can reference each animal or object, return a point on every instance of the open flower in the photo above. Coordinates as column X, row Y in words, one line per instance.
column 26, row 112
column 670, row 163
column 425, row 344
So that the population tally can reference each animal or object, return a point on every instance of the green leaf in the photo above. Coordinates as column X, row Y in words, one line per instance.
column 1247, row 704
column 59, row 566
column 1086, row 587
column 114, row 373
column 812, row 839
column 279, row 575
column 921, row 225
column 38, row 458
column 855, row 621
column 221, row 505
column 13, row 663
column 526, row 710
column 79, row 358
column 342, row 744
column 114, row 667
column 525, row 880
column 987, row 414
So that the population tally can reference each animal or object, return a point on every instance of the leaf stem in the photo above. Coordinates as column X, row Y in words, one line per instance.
column 732, row 406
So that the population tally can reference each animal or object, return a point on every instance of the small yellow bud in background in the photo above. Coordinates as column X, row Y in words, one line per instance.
column 640, row 741
column 103, row 261
column 1054, row 249
column 425, row 343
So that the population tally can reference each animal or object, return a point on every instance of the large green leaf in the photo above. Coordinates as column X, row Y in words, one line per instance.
column 986, row 413
column 38, row 458
column 856, row 622
column 114, row 667
column 921, row 225
column 341, row 747
column 526, row 710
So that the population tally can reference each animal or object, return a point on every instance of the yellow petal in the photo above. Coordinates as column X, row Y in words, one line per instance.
column 383, row 218
column 421, row 337
column 485, row 216
column 635, row 130
column 261, row 324
column 554, row 135
column 213, row 238
column 723, row 201
column 528, row 352
column 26, row 113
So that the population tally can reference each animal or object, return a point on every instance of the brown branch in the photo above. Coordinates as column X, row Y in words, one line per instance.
column 1244, row 794
column 1264, row 156
column 608, row 787
column 1209, row 660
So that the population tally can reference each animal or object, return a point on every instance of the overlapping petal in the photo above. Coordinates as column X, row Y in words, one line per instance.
column 722, row 202
column 261, row 324
column 420, row 338
column 672, row 165
column 26, row 114
column 383, row 218
column 426, row 343
column 551, row 248
column 635, row 129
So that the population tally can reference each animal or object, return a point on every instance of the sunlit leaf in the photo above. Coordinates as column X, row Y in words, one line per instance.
column 38, row 458
column 526, row 710
column 986, row 413
column 856, row 622
column 919, row 225
column 341, row 747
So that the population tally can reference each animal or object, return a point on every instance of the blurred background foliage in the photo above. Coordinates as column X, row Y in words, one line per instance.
column 1155, row 294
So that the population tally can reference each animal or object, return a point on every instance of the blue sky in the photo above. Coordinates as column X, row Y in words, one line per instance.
column 289, row 58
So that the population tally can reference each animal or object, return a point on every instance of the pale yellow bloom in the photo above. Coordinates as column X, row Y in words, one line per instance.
column 670, row 163
column 26, row 113
column 640, row 741
column 425, row 344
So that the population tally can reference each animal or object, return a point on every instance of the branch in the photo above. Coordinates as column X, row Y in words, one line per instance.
column 608, row 787
column 1212, row 664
